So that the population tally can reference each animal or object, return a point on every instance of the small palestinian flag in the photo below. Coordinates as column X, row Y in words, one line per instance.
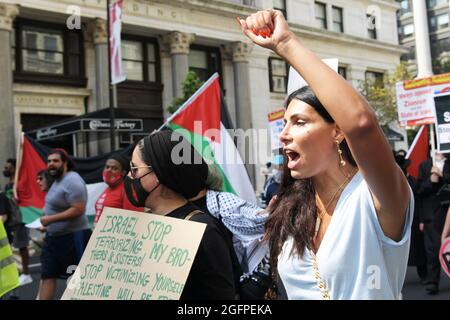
column 418, row 151
column 204, row 120
column 34, row 159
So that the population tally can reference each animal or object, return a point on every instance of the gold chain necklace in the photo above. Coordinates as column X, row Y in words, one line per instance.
column 324, row 209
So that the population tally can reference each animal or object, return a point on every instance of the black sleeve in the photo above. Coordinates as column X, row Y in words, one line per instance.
column 4, row 205
column 425, row 186
column 446, row 171
column 211, row 276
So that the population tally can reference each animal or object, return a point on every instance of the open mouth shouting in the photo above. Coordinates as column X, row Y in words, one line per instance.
column 293, row 158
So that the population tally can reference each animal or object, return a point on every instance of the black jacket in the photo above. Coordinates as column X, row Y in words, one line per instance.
column 211, row 276
column 429, row 203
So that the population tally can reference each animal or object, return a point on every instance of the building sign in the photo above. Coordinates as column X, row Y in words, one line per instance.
column 135, row 256
column 442, row 110
column 127, row 125
column 85, row 125
column 415, row 99
column 65, row 128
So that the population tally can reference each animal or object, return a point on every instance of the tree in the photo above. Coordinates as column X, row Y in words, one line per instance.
column 190, row 84
column 381, row 94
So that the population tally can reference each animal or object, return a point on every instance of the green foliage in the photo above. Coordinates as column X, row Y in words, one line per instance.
column 381, row 94
column 190, row 84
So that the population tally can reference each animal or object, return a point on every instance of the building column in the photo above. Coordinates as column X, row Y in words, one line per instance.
column 422, row 36
column 100, row 142
column 355, row 74
column 241, row 54
column 8, row 12
column 179, row 43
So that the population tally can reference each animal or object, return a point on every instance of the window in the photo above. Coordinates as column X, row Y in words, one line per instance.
column 278, row 75
column 405, row 6
column 439, row 46
column 204, row 61
column 411, row 55
column 435, row 3
column 321, row 15
column 140, row 59
column 439, row 22
column 408, row 30
column 371, row 27
column 280, row 5
column 133, row 60
column 338, row 24
column 376, row 77
column 42, row 51
column 151, row 62
column 198, row 62
column 343, row 72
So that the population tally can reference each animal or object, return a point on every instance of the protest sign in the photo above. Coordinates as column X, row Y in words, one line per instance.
column 296, row 81
column 442, row 110
column 276, row 125
column 415, row 99
column 444, row 256
column 136, row 256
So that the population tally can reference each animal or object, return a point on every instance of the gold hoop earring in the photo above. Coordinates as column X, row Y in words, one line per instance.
column 341, row 159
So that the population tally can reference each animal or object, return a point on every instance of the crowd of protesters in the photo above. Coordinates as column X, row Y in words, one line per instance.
column 336, row 192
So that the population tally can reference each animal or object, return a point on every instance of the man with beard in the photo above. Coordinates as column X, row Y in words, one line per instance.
column 66, row 222
column 18, row 234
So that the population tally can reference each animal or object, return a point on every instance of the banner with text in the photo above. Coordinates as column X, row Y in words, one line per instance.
column 276, row 125
column 442, row 110
column 135, row 256
column 415, row 99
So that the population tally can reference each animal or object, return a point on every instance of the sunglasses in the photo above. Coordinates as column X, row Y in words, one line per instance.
column 134, row 170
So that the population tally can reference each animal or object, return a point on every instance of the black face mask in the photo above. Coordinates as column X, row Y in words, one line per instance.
column 136, row 194
column 6, row 173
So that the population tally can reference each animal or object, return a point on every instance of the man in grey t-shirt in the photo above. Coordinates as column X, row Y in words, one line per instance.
column 66, row 222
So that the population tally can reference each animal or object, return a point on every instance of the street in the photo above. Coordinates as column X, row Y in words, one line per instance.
column 412, row 289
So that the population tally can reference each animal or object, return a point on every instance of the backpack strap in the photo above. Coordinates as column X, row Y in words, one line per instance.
column 191, row 214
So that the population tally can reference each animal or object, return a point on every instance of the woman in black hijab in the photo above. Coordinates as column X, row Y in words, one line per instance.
column 165, row 171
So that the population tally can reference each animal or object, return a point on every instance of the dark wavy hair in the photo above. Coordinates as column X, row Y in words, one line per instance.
column 294, row 211
column 46, row 175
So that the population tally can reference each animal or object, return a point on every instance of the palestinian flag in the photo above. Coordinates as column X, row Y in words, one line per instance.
column 33, row 158
column 30, row 196
column 204, row 120
column 418, row 151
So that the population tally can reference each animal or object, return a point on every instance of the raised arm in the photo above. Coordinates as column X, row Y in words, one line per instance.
column 349, row 110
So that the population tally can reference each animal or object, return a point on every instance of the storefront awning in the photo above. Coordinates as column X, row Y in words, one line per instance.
column 392, row 135
column 97, row 121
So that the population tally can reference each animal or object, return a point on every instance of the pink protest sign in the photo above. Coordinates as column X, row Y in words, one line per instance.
column 444, row 256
